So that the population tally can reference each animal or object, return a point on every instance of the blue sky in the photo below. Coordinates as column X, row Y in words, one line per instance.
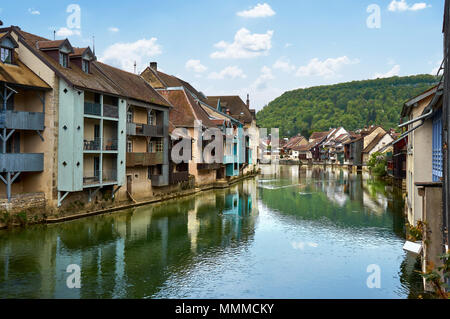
column 258, row 47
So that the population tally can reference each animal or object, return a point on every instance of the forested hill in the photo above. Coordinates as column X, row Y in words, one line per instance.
column 351, row 105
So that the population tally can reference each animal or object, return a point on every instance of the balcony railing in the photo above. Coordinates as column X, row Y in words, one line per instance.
column 110, row 111
column 109, row 176
column 21, row 162
column 110, row 145
column 22, row 120
column 92, row 144
column 159, row 180
column 144, row 159
column 92, row 108
column 92, row 177
column 178, row 177
column 135, row 129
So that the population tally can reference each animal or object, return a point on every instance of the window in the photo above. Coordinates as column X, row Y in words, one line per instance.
column 159, row 146
column 6, row 55
column 129, row 147
column 85, row 66
column 64, row 60
column 151, row 147
column 130, row 117
column 151, row 118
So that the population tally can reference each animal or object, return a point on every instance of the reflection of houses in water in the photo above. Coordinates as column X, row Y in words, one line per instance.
column 128, row 253
column 377, row 204
column 270, row 169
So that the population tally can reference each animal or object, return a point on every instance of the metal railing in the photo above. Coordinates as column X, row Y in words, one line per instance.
column 145, row 129
column 92, row 144
column 92, row 177
column 109, row 176
column 92, row 108
column 110, row 145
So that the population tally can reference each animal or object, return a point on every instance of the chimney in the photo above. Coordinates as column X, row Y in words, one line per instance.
column 227, row 111
column 154, row 66
column 248, row 101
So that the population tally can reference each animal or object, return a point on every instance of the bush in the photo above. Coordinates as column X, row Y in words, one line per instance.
column 377, row 164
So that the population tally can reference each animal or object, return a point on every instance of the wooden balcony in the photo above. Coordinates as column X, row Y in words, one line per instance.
column 22, row 120
column 144, row 159
column 22, row 162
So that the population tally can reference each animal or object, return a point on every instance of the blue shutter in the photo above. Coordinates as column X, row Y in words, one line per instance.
column 437, row 146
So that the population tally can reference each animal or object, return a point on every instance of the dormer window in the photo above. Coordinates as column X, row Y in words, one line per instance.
column 64, row 59
column 7, row 46
column 85, row 66
column 6, row 55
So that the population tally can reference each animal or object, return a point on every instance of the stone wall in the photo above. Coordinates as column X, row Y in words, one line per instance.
column 23, row 202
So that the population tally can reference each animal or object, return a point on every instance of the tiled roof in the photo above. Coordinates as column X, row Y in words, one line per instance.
column 316, row 135
column 132, row 85
column 185, row 109
column 238, row 109
column 102, row 77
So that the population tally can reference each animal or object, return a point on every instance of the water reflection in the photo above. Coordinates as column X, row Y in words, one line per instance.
column 291, row 233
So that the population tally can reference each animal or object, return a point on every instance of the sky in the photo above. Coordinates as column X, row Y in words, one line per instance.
column 239, row 47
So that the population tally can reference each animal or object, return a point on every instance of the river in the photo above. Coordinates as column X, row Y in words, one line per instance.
column 289, row 233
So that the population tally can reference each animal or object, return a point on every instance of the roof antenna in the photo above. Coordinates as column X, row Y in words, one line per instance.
column 134, row 67
column 54, row 35
column 93, row 44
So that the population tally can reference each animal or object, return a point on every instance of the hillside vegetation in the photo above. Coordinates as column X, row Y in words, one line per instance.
column 351, row 104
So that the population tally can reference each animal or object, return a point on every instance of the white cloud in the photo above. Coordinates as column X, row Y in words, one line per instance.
column 231, row 72
column 259, row 11
column 392, row 72
column 402, row 5
column 263, row 79
column 123, row 55
column 284, row 65
column 33, row 12
column 113, row 29
column 326, row 68
column 287, row 45
column 196, row 66
column 65, row 32
column 245, row 45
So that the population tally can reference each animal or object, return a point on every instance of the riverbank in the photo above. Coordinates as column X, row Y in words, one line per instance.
column 165, row 197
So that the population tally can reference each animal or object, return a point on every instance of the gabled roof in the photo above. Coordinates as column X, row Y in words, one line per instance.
column 294, row 141
column 169, row 81
column 8, row 35
column 185, row 109
column 316, row 135
column 238, row 109
column 374, row 142
column 79, row 52
column 51, row 45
